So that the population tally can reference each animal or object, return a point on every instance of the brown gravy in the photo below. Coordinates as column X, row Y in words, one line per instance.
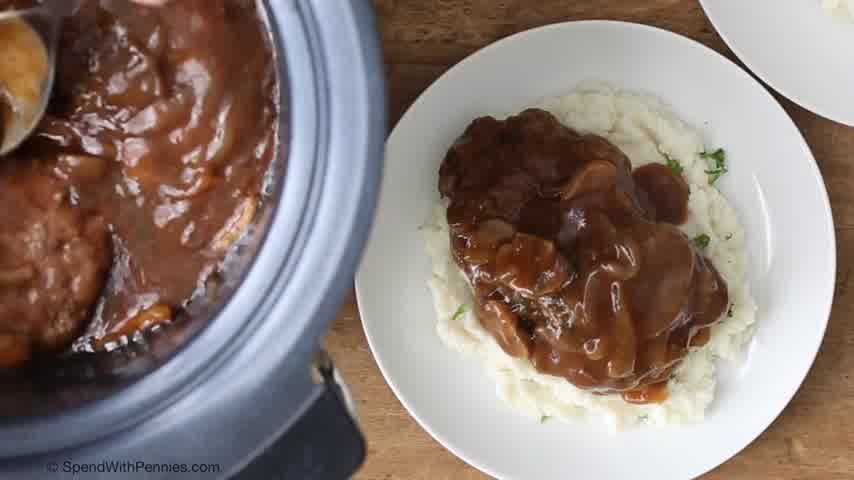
column 575, row 260
column 147, row 168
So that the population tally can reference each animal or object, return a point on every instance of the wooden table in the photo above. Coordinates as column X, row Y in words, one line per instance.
column 812, row 439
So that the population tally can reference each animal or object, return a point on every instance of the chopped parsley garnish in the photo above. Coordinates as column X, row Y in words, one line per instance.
column 459, row 313
column 702, row 240
column 718, row 168
column 673, row 164
column 728, row 237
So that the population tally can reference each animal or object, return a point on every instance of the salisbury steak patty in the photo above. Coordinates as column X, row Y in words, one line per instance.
column 54, row 259
column 575, row 258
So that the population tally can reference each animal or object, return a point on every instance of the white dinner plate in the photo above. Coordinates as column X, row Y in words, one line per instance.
column 773, row 182
column 796, row 47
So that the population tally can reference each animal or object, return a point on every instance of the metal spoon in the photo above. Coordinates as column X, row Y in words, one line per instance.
column 28, row 48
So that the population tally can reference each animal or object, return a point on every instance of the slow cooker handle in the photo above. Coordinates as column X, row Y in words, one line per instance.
column 323, row 444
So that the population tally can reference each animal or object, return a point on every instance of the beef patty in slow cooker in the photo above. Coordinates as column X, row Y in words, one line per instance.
column 147, row 168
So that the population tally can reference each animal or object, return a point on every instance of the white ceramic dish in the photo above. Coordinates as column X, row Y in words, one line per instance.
column 796, row 47
column 773, row 181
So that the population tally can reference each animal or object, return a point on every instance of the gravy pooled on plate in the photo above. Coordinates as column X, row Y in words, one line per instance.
column 575, row 260
column 147, row 167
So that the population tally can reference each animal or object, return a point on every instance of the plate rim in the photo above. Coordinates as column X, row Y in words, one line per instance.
column 763, row 75
column 501, row 43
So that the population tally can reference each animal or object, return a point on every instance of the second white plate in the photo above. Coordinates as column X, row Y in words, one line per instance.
column 796, row 47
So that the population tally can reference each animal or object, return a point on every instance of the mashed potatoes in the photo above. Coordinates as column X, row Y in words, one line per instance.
column 840, row 8
column 647, row 131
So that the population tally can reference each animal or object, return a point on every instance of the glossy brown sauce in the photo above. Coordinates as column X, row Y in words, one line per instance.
column 575, row 260
column 147, row 168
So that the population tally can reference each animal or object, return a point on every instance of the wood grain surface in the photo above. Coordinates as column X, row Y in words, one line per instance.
column 812, row 439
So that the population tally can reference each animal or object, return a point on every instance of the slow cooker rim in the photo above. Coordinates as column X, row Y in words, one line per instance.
column 141, row 398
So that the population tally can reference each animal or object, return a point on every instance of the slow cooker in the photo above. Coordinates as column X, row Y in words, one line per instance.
column 240, row 389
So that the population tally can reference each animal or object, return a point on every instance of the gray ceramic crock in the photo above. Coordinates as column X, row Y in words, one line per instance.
column 240, row 389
